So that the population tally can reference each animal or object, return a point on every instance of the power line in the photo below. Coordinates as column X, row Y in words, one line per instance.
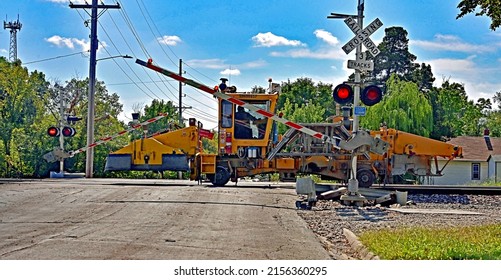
column 56, row 57
column 162, row 47
column 145, row 51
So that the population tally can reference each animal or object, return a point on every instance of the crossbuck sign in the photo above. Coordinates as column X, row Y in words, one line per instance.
column 362, row 36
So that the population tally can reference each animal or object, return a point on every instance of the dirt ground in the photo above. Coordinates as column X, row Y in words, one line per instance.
column 78, row 219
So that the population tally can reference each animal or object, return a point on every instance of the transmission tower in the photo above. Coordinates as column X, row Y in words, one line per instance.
column 14, row 27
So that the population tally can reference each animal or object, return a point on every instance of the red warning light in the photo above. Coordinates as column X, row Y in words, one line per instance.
column 343, row 94
column 371, row 95
column 53, row 131
column 68, row 131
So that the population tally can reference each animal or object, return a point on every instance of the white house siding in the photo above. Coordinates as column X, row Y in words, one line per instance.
column 458, row 172
column 498, row 172
column 495, row 168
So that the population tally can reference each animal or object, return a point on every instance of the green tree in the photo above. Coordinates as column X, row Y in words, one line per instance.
column 493, row 117
column 491, row 8
column 403, row 107
column 107, row 110
column 394, row 58
column 160, row 106
column 309, row 112
column 497, row 99
column 456, row 115
column 304, row 91
column 21, row 114
column 423, row 77
column 493, row 123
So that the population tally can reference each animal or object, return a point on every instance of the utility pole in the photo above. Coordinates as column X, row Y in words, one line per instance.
column 61, row 125
column 180, row 92
column 89, row 164
column 180, row 107
column 14, row 27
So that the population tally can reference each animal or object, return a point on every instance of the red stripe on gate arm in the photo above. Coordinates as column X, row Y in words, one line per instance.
column 122, row 132
column 294, row 125
column 236, row 101
column 106, row 139
column 318, row 135
column 92, row 145
column 265, row 113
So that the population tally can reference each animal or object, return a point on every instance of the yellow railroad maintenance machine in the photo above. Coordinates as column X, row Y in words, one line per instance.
column 248, row 145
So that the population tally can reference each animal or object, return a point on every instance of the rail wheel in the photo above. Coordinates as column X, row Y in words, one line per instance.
column 365, row 178
column 221, row 177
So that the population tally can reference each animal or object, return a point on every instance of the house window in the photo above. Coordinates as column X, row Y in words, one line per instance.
column 475, row 171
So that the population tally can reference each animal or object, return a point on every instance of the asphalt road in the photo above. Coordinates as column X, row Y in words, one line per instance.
column 77, row 219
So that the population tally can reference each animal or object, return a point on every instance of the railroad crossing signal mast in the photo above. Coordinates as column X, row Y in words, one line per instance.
column 360, row 64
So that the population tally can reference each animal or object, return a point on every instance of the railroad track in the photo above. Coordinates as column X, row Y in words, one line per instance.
column 442, row 189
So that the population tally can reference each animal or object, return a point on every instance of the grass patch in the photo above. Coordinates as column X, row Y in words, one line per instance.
column 419, row 243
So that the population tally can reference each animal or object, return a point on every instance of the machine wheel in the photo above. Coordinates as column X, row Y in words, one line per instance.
column 365, row 178
column 221, row 177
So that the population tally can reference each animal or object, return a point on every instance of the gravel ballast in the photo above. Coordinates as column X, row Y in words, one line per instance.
column 328, row 218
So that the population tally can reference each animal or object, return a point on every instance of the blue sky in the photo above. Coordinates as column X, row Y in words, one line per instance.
column 245, row 41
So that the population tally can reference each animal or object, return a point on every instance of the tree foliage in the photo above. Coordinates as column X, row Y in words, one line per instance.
column 303, row 92
column 107, row 110
column 490, row 8
column 310, row 112
column 455, row 115
column 394, row 58
column 21, row 110
column 154, row 109
column 403, row 108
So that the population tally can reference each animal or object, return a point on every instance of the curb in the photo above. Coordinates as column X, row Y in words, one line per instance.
column 360, row 250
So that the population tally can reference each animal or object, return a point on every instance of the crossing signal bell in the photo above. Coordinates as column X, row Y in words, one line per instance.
column 343, row 94
column 369, row 96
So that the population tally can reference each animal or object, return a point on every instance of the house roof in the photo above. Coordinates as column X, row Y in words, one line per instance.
column 475, row 148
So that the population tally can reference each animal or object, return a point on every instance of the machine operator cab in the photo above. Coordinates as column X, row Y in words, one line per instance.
column 242, row 130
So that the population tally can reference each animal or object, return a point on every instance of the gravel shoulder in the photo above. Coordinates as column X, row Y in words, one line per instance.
column 328, row 218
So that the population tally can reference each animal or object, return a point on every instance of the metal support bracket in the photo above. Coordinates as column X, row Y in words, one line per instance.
column 363, row 138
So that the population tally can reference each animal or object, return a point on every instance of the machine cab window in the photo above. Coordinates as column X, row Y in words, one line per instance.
column 249, row 124
column 226, row 114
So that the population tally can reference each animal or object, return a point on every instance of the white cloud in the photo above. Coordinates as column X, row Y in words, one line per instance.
column 466, row 71
column 307, row 53
column 73, row 43
column 169, row 40
column 3, row 51
column 60, row 41
column 450, row 65
column 269, row 39
column 230, row 72
column 330, row 51
column 451, row 43
column 327, row 37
